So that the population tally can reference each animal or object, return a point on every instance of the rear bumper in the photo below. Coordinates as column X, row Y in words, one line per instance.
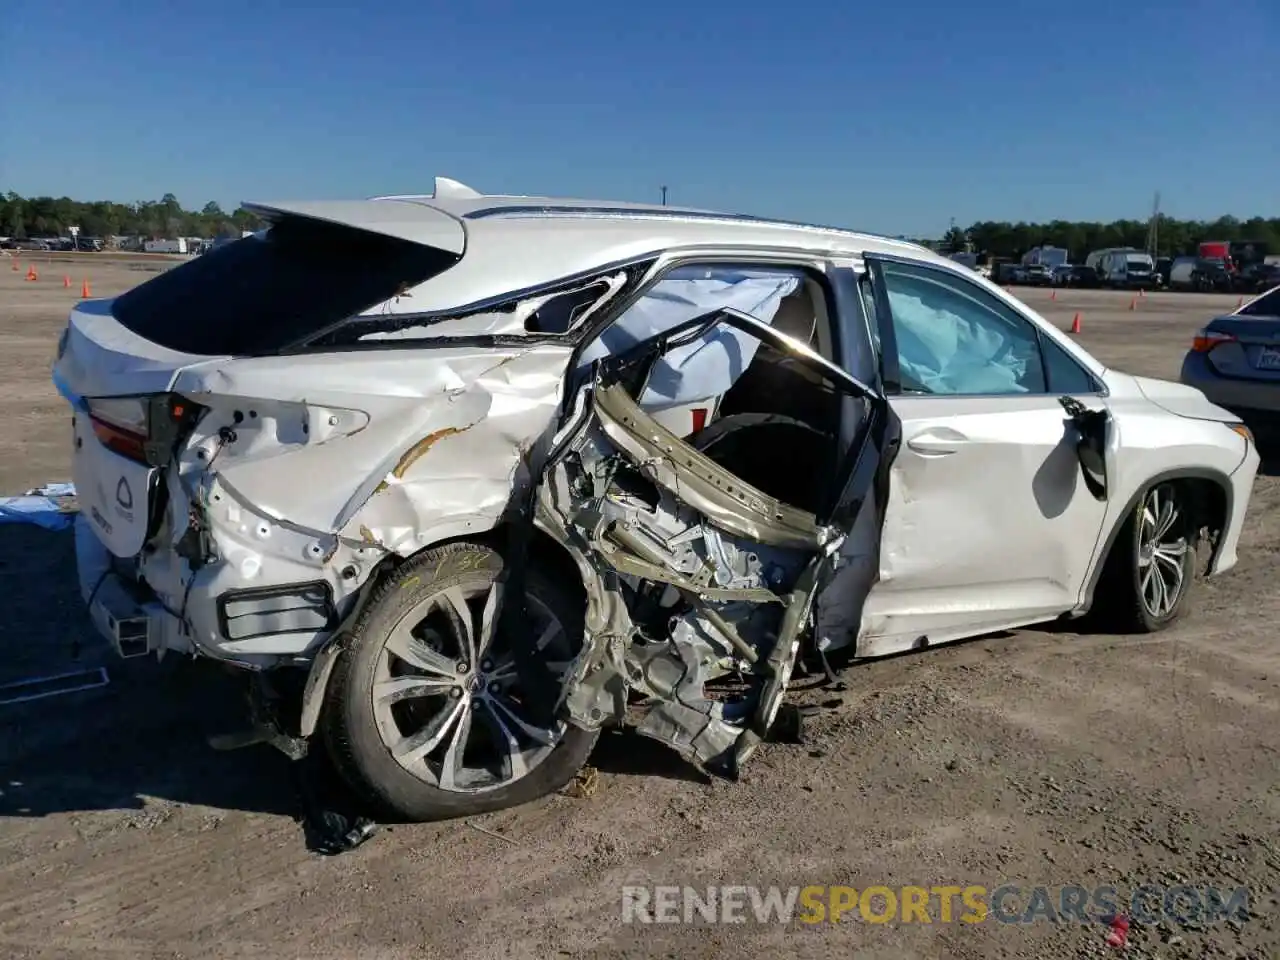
column 227, row 611
column 134, row 623
column 1260, row 398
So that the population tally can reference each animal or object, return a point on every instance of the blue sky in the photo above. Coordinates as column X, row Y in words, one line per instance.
column 892, row 117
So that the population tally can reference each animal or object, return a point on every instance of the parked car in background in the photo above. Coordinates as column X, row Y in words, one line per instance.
column 1062, row 274
column 1045, row 256
column 1163, row 266
column 1235, row 362
column 1260, row 277
column 1126, row 268
column 1007, row 272
column 1001, row 270
column 1082, row 276
column 1037, row 275
column 476, row 476
column 1203, row 274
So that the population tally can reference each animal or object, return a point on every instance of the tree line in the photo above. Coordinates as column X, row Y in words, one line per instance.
column 1173, row 237
column 24, row 217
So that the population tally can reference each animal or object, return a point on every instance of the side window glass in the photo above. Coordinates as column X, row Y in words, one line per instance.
column 869, row 304
column 955, row 339
column 1065, row 375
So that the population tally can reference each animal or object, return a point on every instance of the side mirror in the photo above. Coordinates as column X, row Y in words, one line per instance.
column 1091, row 444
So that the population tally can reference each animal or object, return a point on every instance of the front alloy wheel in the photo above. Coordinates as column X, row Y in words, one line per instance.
column 1162, row 552
column 1148, row 576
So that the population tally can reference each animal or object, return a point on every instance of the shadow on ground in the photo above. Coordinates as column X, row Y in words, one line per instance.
column 143, row 735
column 626, row 752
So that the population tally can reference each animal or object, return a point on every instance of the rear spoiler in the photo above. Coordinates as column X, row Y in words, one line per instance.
column 404, row 219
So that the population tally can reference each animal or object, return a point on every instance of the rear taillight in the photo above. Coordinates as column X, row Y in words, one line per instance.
column 124, row 442
column 1206, row 340
column 144, row 429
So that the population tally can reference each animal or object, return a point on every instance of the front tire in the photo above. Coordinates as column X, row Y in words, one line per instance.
column 423, row 714
column 1146, row 583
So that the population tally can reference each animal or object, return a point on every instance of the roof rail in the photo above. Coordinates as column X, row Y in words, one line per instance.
column 445, row 187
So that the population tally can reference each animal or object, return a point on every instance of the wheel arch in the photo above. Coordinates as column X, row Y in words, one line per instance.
column 543, row 549
column 1211, row 498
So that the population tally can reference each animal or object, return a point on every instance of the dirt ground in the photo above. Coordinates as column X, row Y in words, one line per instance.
column 1042, row 757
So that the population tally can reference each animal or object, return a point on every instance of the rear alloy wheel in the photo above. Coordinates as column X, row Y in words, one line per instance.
column 1151, row 569
column 425, row 711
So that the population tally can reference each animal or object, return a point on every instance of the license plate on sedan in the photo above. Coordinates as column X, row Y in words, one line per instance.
column 1268, row 358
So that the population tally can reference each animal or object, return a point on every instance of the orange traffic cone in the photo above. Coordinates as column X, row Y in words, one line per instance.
column 31, row 273
column 1053, row 295
column 66, row 282
column 1240, row 303
column 1142, row 293
column 84, row 290
column 1075, row 323
column 16, row 265
column 1133, row 303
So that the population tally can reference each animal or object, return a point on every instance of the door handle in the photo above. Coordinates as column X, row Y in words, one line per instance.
column 937, row 441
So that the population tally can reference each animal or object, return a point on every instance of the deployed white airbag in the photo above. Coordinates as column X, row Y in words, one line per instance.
column 710, row 365
column 947, row 351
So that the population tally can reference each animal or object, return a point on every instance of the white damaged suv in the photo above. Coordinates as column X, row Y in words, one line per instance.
column 485, row 474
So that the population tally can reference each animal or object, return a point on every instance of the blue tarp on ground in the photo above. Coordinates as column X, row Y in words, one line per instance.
column 52, row 506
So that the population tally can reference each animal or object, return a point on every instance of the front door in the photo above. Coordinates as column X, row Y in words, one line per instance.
column 989, row 523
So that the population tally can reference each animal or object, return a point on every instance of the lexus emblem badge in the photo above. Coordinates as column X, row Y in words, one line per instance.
column 124, row 496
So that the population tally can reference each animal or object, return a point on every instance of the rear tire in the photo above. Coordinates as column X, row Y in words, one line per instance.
column 415, row 672
column 1147, row 580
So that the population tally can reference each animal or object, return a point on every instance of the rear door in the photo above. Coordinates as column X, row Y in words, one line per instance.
column 700, row 542
column 989, row 521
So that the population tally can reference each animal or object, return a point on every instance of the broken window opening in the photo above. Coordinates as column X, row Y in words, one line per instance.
column 565, row 311
column 554, row 312
column 765, row 414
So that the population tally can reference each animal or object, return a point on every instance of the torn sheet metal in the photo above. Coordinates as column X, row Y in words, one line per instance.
column 556, row 312
column 839, row 608
column 676, row 599
column 462, row 477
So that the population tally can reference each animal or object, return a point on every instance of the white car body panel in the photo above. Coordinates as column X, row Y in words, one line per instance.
column 974, row 545
column 393, row 217
column 340, row 458
column 988, row 522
